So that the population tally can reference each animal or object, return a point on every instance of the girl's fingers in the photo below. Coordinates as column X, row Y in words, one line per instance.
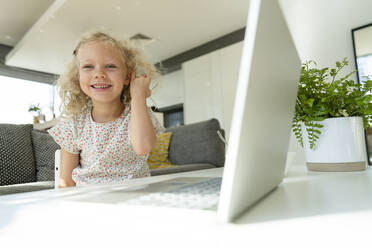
column 145, row 78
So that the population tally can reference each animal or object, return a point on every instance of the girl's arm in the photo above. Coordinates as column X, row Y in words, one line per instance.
column 69, row 161
column 142, row 133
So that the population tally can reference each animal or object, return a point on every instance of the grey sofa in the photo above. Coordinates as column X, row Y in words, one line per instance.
column 194, row 147
column 27, row 155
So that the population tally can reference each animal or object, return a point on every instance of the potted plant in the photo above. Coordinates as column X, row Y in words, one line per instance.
column 35, row 109
column 331, row 112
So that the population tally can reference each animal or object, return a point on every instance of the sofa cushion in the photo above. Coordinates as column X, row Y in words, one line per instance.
column 197, row 143
column 158, row 157
column 44, row 150
column 16, row 156
column 183, row 168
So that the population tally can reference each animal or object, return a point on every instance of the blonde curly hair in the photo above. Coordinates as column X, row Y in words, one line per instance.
column 74, row 100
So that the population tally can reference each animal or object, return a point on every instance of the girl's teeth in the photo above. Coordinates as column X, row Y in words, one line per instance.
column 100, row 87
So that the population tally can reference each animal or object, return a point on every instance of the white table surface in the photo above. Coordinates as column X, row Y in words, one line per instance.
column 309, row 209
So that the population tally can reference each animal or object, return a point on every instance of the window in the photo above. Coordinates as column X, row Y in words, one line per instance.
column 364, row 66
column 16, row 96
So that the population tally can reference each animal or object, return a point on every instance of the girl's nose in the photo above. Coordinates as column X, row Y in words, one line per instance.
column 99, row 75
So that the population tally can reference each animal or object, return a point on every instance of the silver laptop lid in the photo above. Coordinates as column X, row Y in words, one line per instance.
column 263, row 110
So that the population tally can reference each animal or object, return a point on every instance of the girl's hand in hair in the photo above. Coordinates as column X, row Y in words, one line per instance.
column 140, row 86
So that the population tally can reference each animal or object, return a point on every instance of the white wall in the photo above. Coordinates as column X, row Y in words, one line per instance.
column 322, row 32
column 203, row 90
column 210, row 86
column 169, row 91
column 229, row 72
column 322, row 28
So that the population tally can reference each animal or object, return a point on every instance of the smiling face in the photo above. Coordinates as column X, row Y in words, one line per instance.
column 102, row 74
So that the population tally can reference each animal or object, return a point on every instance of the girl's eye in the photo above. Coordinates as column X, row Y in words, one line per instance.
column 87, row 67
column 111, row 66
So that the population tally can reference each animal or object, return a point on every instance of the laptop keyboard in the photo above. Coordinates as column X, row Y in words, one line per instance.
column 202, row 195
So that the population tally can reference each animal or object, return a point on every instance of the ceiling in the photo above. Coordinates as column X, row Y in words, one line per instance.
column 44, row 32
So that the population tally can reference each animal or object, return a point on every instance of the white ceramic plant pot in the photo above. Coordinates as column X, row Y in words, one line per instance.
column 340, row 147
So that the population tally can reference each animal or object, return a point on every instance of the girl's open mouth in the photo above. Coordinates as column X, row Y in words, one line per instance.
column 100, row 86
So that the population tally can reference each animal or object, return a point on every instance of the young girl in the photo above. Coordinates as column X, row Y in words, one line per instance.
column 106, row 130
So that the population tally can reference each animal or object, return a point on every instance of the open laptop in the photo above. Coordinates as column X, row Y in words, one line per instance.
column 261, row 124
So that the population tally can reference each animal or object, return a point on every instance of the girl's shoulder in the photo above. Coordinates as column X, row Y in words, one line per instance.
column 77, row 121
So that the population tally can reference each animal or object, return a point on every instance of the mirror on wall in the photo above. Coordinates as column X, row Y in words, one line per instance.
column 362, row 42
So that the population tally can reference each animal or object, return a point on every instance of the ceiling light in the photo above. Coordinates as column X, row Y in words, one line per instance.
column 141, row 40
column 140, row 36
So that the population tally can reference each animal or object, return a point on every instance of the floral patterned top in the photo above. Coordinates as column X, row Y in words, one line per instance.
column 106, row 153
